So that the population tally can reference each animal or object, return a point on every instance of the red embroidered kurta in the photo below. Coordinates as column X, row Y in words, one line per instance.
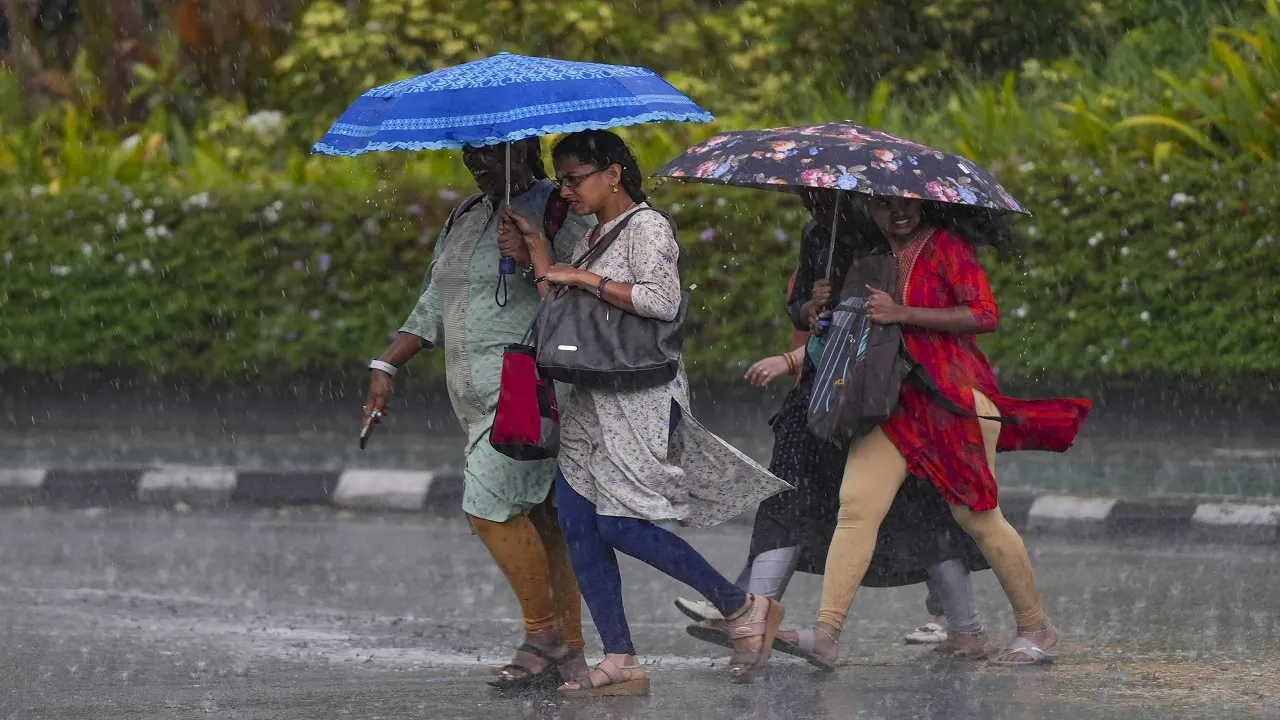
column 938, row 444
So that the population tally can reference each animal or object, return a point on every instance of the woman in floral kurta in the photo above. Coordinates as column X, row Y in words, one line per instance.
column 507, row 501
column 631, row 458
column 944, row 301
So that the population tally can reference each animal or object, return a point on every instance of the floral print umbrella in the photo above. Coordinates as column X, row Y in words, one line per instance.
column 839, row 156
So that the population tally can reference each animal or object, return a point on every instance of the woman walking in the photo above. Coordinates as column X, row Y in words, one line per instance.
column 918, row 542
column 631, row 458
column 944, row 302
column 507, row 501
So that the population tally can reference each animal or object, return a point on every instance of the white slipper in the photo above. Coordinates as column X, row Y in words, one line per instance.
column 927, row 634
column 698, row 610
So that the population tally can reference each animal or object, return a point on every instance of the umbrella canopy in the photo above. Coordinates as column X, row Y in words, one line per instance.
column 839, row 156
column 504, row 98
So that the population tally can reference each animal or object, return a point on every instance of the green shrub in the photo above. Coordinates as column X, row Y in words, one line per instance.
column 1131, row 273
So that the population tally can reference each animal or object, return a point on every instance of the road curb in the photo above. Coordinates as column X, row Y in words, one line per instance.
column 440, row 492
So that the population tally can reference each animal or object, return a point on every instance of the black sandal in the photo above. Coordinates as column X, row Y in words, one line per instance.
column 546, row 679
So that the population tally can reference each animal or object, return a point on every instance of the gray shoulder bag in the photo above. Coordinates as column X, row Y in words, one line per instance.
column 585, row 341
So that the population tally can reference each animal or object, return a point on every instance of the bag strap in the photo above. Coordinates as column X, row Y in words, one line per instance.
column 461, row 209
column 603, row 243
column 921, row 378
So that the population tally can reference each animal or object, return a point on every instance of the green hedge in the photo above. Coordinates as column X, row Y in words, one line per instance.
column 1132, row 273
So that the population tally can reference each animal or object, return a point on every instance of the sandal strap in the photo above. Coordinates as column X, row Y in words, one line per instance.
column 805, row 639
column 1026, row 646
column 739, row 630
column 614, row 672
column 507, row 669
column 539, row 652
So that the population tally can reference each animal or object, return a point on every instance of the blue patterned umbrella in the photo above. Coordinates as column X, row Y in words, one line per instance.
column 503, row 99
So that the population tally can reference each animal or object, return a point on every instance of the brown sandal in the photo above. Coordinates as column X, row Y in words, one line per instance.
column 618, row 683
column 759, row 619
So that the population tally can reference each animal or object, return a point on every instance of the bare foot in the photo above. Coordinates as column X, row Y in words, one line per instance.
column 963, row 645
column 574, row 666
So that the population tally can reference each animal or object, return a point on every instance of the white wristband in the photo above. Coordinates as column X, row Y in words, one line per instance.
column 385, row 367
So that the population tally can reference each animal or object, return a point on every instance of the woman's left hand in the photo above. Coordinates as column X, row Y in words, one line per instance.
column 882, row 308
column 564, row 275
column 768, row 370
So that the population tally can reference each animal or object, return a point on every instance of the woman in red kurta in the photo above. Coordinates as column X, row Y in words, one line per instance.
column 944, row 302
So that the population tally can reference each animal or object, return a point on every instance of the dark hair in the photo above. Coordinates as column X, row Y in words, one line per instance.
column 531, row 149
column 600, row 149
column 978, row 225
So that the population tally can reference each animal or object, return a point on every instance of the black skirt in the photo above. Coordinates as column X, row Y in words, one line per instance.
column 918, row 532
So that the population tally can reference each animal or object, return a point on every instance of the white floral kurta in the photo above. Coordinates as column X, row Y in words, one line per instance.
column 614, row 448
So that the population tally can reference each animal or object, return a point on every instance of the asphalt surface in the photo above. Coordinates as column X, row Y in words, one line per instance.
column 319, row 615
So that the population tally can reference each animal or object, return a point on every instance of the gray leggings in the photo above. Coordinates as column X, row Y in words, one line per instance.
column 950, row 586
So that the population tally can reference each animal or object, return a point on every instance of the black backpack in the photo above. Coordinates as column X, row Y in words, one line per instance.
column 864, row 363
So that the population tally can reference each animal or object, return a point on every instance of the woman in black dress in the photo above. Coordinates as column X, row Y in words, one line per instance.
column 919, row 540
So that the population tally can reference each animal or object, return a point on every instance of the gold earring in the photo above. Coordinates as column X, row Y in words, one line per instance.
column 615, row 188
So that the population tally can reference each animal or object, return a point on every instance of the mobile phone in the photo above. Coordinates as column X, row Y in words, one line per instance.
column 367, row 431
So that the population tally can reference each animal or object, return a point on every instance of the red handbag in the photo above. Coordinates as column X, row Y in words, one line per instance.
column 526, row 425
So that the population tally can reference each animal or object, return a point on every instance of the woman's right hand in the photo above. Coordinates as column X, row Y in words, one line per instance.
column 379, row 395
column 821, row 296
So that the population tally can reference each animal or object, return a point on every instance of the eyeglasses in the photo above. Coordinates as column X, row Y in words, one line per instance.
column 573, row 181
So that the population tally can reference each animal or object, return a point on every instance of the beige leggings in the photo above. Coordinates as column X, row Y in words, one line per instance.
column 874, row 472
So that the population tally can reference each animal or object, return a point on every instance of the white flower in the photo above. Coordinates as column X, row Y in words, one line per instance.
column 1033, row 231
column 1124, row 251
column 145, row 266
column 1180, row 199
column 1095, row 239
column 151, row 233
column 86, row 249
column 1106, row 356
column 60, row 270
column 131, row 270
column 1165, row 178
column 38, row 190
column 1066, row 211
column 136, row 204
column 119, row 257
column 266, row 124
column 200, row 200
column 675, row 208
column 1071, row 314
column 132, row 142
column 270, row 214
column 1144, row 316
column 148, row 216
column 1026, row 167
column 122, row 222
column 163, row 231
column 1021, row 311
column 721, row 202
column 1180, row 225
column 8, row 258
column 1173, row 253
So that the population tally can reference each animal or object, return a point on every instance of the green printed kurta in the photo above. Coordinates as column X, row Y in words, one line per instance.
column 457, row 309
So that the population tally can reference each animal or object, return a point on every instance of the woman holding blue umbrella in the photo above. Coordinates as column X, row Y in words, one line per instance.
column 476, row 301
column 507, row 501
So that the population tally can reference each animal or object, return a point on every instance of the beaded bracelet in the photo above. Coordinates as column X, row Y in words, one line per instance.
column 600, row 288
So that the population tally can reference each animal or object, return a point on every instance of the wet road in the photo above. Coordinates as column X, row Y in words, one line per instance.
column 316, row 615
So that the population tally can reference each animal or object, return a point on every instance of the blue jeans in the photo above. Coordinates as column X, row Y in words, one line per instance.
column 593, row 540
